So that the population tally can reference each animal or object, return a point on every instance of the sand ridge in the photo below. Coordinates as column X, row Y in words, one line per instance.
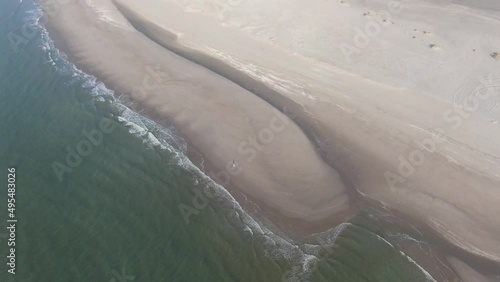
column 252, row 145
column 401, row 153
column 389, row 142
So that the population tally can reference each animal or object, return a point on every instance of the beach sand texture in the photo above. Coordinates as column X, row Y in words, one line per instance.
column 265, row 92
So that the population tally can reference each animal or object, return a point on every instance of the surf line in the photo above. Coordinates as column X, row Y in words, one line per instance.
column 247, row 149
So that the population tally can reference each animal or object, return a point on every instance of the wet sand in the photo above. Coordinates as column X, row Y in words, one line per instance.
column 298, row 136
column 251, row 144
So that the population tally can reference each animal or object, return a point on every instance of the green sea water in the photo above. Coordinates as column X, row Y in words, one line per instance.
column 113, row 213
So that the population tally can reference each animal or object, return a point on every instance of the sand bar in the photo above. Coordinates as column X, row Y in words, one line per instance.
column 393, row 143
column 390, row 141
column 261, row 150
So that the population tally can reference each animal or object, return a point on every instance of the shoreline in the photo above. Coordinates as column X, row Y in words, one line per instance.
column 296, row 109
column 277, row 99
column 254, row 86
column 76, row 59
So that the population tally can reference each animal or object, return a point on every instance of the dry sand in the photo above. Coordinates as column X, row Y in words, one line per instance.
column 394, row 133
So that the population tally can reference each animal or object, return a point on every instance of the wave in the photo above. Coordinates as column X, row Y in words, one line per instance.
column 157, row 136
column 301, row 257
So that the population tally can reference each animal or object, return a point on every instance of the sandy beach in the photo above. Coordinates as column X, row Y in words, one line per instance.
column 321, row 106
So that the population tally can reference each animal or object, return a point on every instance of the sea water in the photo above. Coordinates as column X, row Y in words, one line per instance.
column 99, row 204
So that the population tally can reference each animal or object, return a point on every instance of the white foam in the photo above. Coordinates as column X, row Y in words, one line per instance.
column 275, row 246
column 427, row 274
